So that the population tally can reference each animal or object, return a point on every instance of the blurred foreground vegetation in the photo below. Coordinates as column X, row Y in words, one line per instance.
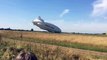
column 48, row 49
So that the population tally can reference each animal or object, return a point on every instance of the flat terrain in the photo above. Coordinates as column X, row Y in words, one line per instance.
column 83, row 46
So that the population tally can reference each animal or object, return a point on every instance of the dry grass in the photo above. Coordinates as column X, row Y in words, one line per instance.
column 50, row 52
column 86, row 39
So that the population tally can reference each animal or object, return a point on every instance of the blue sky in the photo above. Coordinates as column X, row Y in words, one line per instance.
column 69, row 15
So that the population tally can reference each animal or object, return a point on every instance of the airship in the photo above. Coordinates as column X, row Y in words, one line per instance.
column 39, row 22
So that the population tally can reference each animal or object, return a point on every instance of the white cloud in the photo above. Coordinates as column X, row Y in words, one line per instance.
column 99, row 8
column 64, row 12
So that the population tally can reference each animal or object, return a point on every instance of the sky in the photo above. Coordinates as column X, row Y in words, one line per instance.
column 87, row 16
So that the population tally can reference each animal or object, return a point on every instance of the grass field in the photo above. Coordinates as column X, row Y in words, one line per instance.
column 86, row 39
column 58, row 46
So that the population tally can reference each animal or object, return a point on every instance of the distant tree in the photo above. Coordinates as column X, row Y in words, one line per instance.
column 104, row 33
column 73, row 32
column 1, row 28
column 8, row 28
column 32, row 30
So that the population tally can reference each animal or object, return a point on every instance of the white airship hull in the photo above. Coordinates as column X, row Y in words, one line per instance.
column 46, row 26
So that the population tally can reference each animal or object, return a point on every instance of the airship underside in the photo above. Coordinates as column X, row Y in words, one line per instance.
column 46, row 26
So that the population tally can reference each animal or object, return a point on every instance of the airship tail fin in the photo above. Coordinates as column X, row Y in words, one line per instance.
column 39, row 17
